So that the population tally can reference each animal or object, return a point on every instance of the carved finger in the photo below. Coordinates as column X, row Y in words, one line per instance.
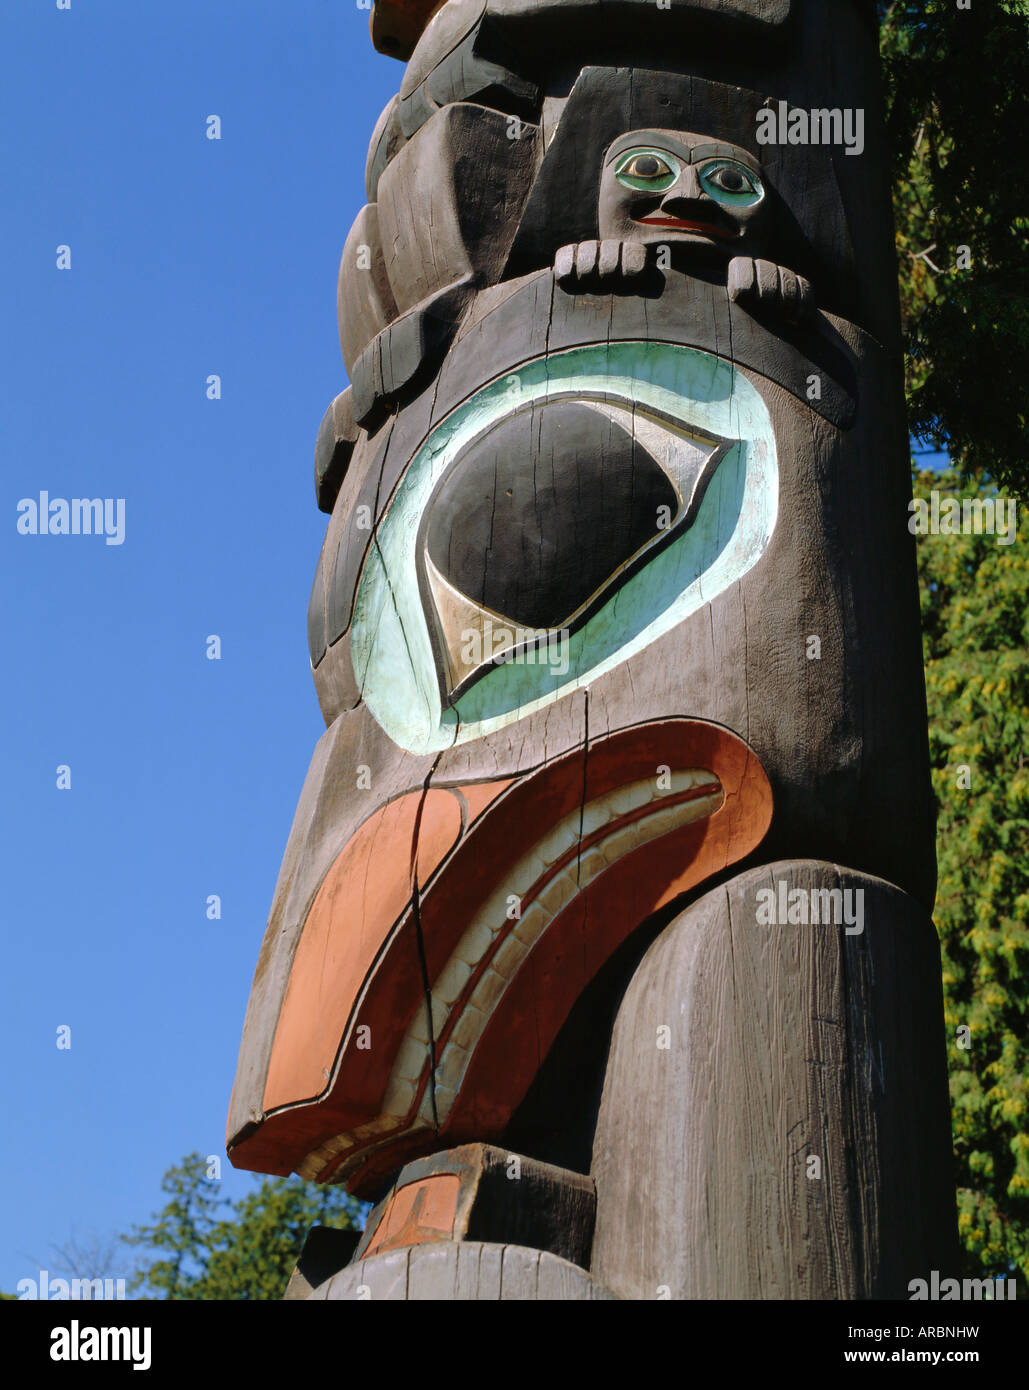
column 789, row 293
column 610, row 253
column 767, row 273
column 586, row 258
column 634, row 258
column 795, row 293
column 741, row 277
column 805, row 296
column 564, row 263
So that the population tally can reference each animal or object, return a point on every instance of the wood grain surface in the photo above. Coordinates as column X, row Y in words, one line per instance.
column 785, row 1043
column 463, row 1272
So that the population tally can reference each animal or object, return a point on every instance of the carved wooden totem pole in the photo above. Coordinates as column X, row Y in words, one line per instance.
column 601, row 957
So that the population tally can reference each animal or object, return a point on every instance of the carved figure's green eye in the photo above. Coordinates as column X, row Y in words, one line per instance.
column 651, row 170
column 731, row 183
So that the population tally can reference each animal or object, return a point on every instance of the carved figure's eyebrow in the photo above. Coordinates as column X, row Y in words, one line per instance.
column 621, row 146
column 712, row 150
column 700, row 152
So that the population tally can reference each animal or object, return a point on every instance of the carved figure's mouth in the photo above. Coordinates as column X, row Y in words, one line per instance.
column 681, row 224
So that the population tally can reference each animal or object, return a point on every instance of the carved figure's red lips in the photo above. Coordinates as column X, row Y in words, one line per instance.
column 681, row 225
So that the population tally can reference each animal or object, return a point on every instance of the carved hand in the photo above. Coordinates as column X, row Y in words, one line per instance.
column 599, row 263
column 764, row 284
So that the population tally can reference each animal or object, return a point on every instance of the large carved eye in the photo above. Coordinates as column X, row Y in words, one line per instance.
column 731, row 183
column 651, row 170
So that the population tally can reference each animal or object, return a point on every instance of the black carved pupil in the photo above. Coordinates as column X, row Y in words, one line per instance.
column 647, row 167
column 732, row 180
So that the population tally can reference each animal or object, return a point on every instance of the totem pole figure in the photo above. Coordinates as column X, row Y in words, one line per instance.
column 601, row 957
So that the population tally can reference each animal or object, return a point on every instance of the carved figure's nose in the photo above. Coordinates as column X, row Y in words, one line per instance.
column 676, row 203
column 687, row 185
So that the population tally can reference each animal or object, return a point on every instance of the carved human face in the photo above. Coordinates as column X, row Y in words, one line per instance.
column 682, row 189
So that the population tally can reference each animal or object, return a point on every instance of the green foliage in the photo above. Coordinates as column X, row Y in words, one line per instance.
column 956, row 83
column 957, row 123
column 975, row 616
column 203, row 1246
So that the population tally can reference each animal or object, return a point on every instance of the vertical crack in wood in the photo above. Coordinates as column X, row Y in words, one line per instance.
column 860, row 1224
column 348, row 631
column 582, row 798
column 738, row 587
column 393, row 600
column 419, row 938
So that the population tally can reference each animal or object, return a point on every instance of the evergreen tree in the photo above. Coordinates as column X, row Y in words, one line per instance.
column 975, row 618
column 957, row 113
column 203, row 1246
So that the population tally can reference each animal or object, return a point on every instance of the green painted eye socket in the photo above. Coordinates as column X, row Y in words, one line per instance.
column 731, row 183
column 654, row 171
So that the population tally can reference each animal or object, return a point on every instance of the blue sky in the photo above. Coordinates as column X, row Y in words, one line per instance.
column 188, row 257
